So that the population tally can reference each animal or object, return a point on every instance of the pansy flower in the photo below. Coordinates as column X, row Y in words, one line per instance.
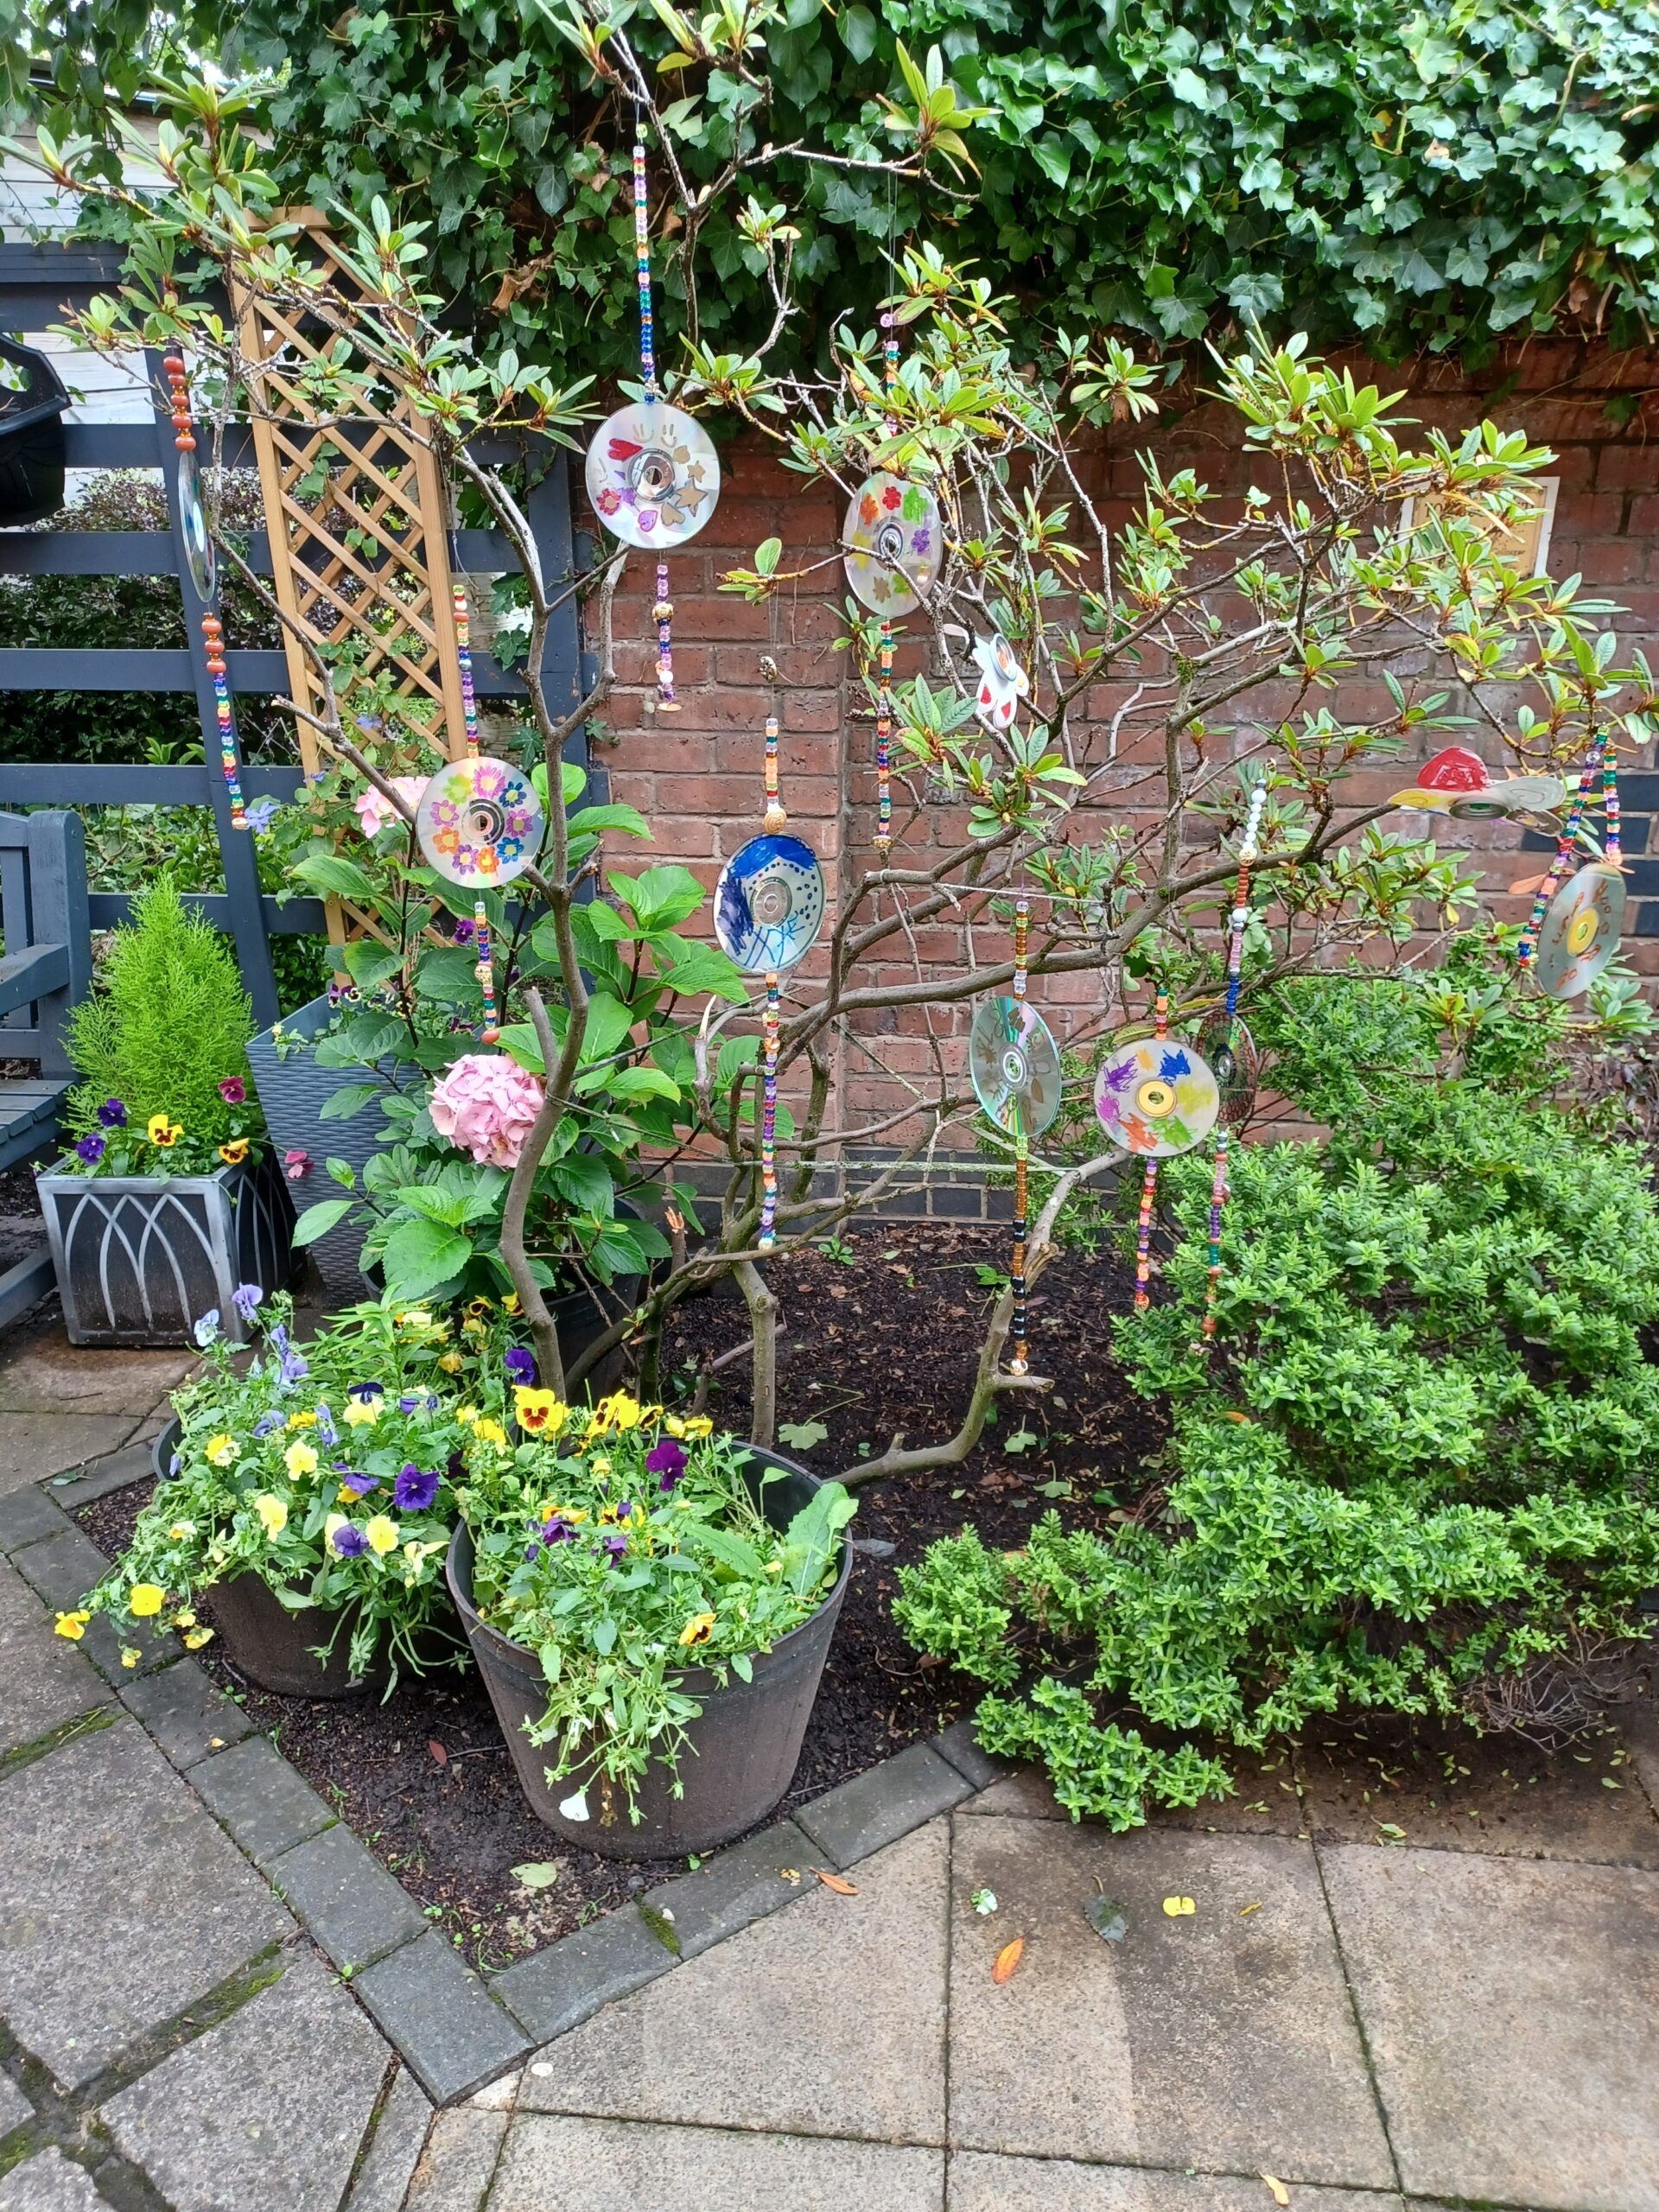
column 92, row 1149
column 697, row 1630
column 414, row 1489
column 268, row 1424
column 539, row 1413
column 300, row 1459
column 273, row 1513
column 233, row 1091
column 521, row 1366
column 113, row 1114
column 145, row 1600
column 666, row 1459
column 163, row 1133
column 359, row 1483
column 381, row 1534
column 346, row 1539
column 234, row 1152
column 247, row 1298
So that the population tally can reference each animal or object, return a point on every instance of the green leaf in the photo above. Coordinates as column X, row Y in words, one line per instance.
column 583, row 1180
column 350, row 1099
column 803, row 1434
column 539, row 1873
column 642, row 1082
column 337, row 877
column 593, row 820
column 857, row 28
column 420, row 1254
column 690, row 968
column 317, row 1220
column 608, row 1024
column 658, row 897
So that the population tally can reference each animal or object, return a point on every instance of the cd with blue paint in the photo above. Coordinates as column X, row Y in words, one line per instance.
column 769, row 905
column 1156, row 1097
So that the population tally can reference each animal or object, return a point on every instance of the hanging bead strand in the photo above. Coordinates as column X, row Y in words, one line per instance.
column 485, row 969
column 1148, row 1193
column 642, row 260
column 1593, row 767
column 1609, row 844
column 772, row 821
column 1240, row 918
column 884, row 701
column 1018, row 1364
column 213, row 633
column 663, row 614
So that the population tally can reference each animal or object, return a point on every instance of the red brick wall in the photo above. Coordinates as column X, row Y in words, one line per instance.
column 696, row 774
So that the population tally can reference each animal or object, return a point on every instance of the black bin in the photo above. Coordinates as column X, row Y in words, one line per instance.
column 32, row 403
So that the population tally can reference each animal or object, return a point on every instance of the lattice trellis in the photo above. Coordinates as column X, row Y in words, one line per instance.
column 358, row 522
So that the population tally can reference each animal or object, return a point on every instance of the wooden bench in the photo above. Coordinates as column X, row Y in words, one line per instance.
column 47, row 967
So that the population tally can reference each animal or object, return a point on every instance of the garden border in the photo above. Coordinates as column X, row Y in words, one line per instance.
column 454, row 2028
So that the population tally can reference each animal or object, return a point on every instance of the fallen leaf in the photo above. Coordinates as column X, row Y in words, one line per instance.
column 1527, row 887
column 1280, row 2194
column 1108, row 1918
column 1179, row 1908
column 1245, row 1910
column 983, row 1901
column 538, row 1873
column 843, row 1888
column 1007, row 1959
column 437, row 1751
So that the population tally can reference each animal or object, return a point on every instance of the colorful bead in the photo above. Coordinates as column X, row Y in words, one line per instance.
column 769, row 1119
column 884, row 748
column 485, row 969
column 663, row 615
column 1149, row 1192
column 1601, row 760
column 213, row 634
column 1018, row 1324
column 642, row 258
column 1238, row 921
column 774, row 819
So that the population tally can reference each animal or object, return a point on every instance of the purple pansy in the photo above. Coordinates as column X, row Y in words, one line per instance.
column 92, row 1149
column 326, row 1432
column 408, row 1404
column 360, row 1484
column 268, row 1423
column 556, row 1529
column 463, row 932
column 293, row 1368
column 414, row 1489
column 666, row 1459
column 349, row 1541
column 616, row 1545
column 233, row 1091
column 246, row 1298
column 113, row 1114
column 366, row 1393
column 205, row 1328
column 521, row 1366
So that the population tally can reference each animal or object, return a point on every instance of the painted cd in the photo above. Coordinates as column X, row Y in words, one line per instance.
column 1580, row 932
column 769, row 904
column 1156, row 1097
column 891, row 541
column 1519, row 795
column 1015, row 1066
column 1236, row 1066
column 653, row 475
column 480, row 823
column 199, row 555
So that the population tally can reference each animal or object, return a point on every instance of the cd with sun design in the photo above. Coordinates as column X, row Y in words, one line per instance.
column 1580, row 932
column 769, row 904
column 653, row 475
column 480, row 823
column 1157, row 1096
column 892, row 540
column 1015, row 1066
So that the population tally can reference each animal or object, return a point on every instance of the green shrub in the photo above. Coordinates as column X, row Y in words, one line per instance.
column 1415, row 1467
column 168, row 1026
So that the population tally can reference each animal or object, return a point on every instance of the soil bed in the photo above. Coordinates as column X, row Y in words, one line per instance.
column 881, row 1333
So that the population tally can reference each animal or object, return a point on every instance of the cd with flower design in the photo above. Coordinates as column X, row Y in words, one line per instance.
column 480, row 823
column 892, row 540
column 653, row 475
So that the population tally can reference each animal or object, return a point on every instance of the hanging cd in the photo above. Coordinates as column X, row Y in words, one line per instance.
column 653, row 475
column 1002, row 683
column 769, row 904
column 1157, row 1097
column 1015, row 1066
column 1519, row 795
column 892, row 538
column 199, row 556
column 480, row 823
column 1236, row 1067
column 1580, row 932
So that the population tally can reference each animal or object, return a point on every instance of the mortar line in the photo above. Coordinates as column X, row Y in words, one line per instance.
column 372, row 2128
column 1377, row 2098
column 950, row 1970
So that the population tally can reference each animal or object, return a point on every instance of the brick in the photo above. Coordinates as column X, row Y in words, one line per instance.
column 449, row 2032
column 27, row 1516
column 879, row 1806
column 735, row 1887
column 348, row 1903
column 569, row 1981
column 254, row 1793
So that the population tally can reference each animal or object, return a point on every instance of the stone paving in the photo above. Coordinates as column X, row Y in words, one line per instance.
column 212, row 2000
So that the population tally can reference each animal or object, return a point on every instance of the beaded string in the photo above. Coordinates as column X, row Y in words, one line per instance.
column 662, row 613
column 1600, row 762
column 775, row 817
column 213, row 634
column 1017, row 1365
column 883, row 702
column 1240, row 917
column 773, row 822
column 485, row 969
column 1148, row 1190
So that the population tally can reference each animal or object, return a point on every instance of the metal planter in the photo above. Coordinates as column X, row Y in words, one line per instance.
column 138, row 1258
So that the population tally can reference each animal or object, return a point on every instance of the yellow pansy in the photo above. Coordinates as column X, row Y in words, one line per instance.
column 472, row 1326
column 161, row 1131
column 73, row 1625
column 697, row 1630
column 197, row 1637
column 359, row 1414
column 130, row 1655
column 451, row 1362
column 673, row 1424
column 697, row 1428
column 491, row 1431
column 619, row 1411
column 234, row 1152
column 539, row 1413
column 180, row 1529
column 301, row 1420
column 510, row 1303
column 601, row 1465
column 382, row 1533
column 478, row 1305
column 185, row 1619
column 300, row 1459
column 273, row 1513
column 221, row 1449
column 466, row 1415
column 145, row 1600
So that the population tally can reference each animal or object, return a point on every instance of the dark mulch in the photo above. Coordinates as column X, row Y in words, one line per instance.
column 881, row 1333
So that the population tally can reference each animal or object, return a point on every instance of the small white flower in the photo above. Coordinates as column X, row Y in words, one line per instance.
column 983, row 1901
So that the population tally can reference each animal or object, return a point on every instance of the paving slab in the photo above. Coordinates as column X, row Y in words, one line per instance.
column 61, row 1570
column 448, row 2030
column 1265, row 1801
column 599, row 2166
column 981, row 2182
column 1639, row 1726
column 346, row 1898
column 187, row 1716
column 1222, row 2039
column 120, row 1900
column 251, row 1788
column 877, row 1807
column 14, row 2108
column 41, row 1372
column 384, row 2176
column 50, row 2182
column 27, row 1515
column 733, row 1888
column 456, row 2167
column 569, row 1981
column 957, row 1744
column 827, row 2019
column 267, row 2109
column 35, row 1444
column 133, row 1463
column 1511, row 2009
column 44, row 1681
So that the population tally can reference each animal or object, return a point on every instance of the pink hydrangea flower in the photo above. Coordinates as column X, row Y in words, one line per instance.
column 374, row 812
column 487, row 1104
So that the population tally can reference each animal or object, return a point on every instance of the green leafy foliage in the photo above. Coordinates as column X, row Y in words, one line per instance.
column 1416, row 1463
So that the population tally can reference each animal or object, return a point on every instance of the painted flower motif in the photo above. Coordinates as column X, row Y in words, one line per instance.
column 382, row 1535
column 92, row 1149
column 113, row 1114
column 361, row 1412
column 697, row 1630
column 233, row 1091
column 667, row 1461
column 71, row 1625
column 521, row 1366
column 347, row 1538
column 539, row 1413
column 234, row 1152
column 487, row 1104
column 272, row 1511
column 145, row 1600
column 247, row 1298
column 220, row 1449
column 414, row 1489
column 163, row 1133
column 300, row 1459
column 205, row 1327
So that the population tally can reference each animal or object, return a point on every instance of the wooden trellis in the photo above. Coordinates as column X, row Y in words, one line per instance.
column 358, row 520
